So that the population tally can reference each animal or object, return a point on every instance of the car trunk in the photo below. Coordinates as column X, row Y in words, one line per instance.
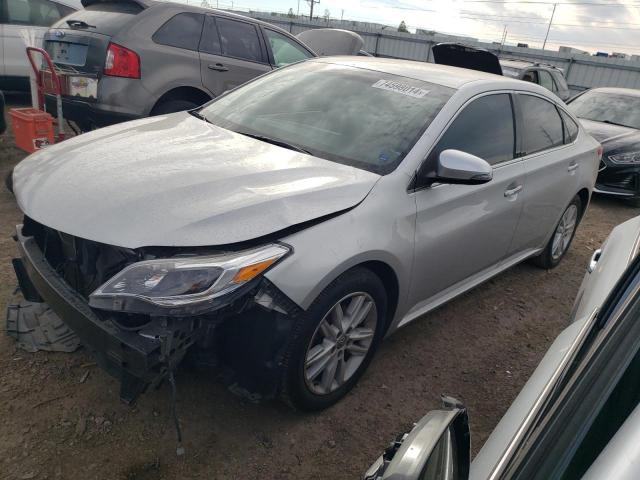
column 464, row 56
column 78, row 43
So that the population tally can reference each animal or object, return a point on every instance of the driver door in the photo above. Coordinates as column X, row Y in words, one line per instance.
column 463, row 231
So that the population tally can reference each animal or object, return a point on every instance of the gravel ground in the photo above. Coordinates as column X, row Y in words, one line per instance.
column 61, row 417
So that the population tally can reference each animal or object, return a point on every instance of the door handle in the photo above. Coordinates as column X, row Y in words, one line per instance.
column 512, row 191
column 593, row 263
column 573, row 167
column 218, row 67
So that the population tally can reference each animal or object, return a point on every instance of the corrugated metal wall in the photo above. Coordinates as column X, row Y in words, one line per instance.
column 582, row 71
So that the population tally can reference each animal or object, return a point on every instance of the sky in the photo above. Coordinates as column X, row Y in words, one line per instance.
column 592, row 25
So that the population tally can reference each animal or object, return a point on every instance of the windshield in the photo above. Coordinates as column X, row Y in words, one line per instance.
column 608, row 107
column 362, row 118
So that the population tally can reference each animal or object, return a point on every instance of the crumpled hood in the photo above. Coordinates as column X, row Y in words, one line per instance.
column 178, row 181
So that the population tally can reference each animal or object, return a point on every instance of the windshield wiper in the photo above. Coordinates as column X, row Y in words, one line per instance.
column 274, row 141
column 617, row 124
column 79, row 24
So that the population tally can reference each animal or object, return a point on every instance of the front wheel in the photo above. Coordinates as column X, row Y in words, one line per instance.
column 335, row 340
column 562, row 236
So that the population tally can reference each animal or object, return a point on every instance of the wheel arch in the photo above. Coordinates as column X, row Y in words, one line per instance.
column 182, row 93
column 584, row 198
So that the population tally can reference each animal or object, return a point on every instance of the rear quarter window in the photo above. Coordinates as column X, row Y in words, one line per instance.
column 182, row 31
column 570, row 128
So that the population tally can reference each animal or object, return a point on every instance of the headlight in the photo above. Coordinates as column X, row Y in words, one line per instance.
column 629, row 157
column 183, row 285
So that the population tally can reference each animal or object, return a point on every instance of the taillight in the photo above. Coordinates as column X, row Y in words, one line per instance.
column 600, row 152
column 121, row 62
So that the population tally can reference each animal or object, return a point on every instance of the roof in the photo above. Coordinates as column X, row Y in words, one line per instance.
column 632, row 92
column 452, row 77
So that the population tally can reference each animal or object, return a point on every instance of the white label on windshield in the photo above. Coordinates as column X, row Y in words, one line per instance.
column 402, row 88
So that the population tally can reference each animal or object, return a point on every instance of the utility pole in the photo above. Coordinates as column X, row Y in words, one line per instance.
column 342, row 15
column 312, row 3
column 504, row 37
column 549, row 28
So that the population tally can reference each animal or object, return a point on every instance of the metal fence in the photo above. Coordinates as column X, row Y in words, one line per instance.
column 582, row 71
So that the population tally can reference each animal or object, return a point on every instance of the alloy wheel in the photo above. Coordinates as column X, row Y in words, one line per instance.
column 564, row 232
column 340, row 343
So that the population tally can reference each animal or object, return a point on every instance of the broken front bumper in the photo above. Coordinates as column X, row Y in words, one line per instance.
column 137, row 357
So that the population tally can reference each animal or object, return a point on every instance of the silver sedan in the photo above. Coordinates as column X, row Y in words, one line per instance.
column 292, row 223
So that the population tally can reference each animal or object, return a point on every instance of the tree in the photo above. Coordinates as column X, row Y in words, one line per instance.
column 290, row 13
column 205, row 4
column 327, row 14
column 403, row 27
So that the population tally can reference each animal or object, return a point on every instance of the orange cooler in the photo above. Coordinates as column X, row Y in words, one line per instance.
column 32, row 128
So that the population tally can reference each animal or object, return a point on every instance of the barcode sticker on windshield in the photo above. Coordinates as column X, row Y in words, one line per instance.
column 402, row 88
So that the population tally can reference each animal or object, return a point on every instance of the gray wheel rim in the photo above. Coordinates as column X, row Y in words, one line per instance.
column 340, row 343
column 564, row 232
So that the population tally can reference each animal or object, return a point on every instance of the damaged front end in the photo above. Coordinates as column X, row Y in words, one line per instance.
column 139, row 335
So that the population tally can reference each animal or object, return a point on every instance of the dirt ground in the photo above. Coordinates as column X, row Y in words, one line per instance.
column 57, row 422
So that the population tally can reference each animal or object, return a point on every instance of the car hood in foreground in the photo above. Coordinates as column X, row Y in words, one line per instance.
column 179, row 181
column 611, row 136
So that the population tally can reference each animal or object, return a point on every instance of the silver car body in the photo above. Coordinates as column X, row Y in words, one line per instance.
column 618, row 459
column 176, row 180
column 614, row 257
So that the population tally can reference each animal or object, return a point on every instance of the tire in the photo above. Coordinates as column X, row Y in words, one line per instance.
column 550, row 257
column 172, row 106
column 36, row 327
column 308, row 394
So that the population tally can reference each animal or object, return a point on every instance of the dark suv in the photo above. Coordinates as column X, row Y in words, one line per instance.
column 128, row 59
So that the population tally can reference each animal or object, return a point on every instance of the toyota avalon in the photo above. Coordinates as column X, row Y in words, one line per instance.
column 288, row 226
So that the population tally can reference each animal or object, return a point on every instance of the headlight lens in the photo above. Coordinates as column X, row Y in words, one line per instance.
column 629, row 157
column 183, row 281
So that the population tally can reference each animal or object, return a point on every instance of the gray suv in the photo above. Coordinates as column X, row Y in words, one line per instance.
column 134, row 58
column 547, row 76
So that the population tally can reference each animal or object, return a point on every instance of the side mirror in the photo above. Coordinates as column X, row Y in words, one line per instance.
column 438, row 448
column 459, row 167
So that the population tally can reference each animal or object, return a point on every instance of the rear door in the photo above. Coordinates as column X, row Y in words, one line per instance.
column 232, row 52
column 551, row 165
column 25, row 19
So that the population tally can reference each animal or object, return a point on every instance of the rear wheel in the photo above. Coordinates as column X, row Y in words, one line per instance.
column 562, row 236
column 335, row 341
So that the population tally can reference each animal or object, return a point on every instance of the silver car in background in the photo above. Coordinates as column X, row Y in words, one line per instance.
column 578, row 416
column 291, row 224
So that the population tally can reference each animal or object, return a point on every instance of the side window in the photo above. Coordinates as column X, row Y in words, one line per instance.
column 543, row 126
column 285, row 50
column 210, row 42
column 471, row 132
column 40, row 13
column 570, row 128
column 546, row 81
column 530, row 76
column 239, row 39
column 181, row 31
